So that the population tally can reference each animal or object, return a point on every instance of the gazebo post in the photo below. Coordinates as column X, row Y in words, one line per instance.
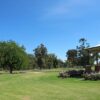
column 88, row 67
column 97, row 59
column 88, row 57
column 97, row 67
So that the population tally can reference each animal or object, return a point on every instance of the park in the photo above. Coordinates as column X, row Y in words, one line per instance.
column 35, row 77
column 49, row 49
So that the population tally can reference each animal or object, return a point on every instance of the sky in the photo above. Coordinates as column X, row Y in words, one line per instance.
column 58, row 24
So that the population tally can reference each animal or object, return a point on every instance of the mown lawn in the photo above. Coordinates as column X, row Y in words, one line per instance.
column 46, row 86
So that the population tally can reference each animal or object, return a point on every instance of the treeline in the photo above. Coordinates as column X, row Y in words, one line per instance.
column 41, row 59
column 14, row 57
column 81, row 56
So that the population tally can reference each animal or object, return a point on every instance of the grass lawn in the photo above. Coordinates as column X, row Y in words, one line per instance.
column 46, row 86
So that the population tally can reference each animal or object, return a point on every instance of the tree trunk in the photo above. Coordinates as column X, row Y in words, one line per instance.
column 10, row 69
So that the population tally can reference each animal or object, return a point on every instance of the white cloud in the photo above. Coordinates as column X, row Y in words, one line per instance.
column 69, row 8
column 98, row 45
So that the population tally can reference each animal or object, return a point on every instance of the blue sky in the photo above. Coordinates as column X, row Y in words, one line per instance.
column 59, row 24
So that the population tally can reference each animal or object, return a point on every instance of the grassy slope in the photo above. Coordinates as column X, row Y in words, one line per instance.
column 46, row 86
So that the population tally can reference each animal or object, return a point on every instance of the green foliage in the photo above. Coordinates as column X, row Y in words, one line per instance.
column 50, row 60
column 61, row 63
column 40, row 54
column 12, row 56
column 45, row 60
column 32, row 62
column 53, row 62
column 40, row 51
column 72, row 57
column 79, row 56
column 83, row 55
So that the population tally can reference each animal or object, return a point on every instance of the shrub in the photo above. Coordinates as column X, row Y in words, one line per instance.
column 71, row 73
column 92, row 76
column 63, row 75
column 76, row 73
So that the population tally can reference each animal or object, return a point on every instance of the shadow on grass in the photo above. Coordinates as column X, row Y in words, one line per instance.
column 14, row 72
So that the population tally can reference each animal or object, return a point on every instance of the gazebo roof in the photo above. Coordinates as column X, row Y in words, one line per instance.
column 94, row 49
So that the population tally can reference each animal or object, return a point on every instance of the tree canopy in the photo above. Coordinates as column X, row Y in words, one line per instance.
column 12, row 56
column 79, row 56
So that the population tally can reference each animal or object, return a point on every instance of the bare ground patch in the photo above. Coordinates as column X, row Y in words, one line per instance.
column 26, row 98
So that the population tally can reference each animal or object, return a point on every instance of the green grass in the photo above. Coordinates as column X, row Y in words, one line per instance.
column 46, row 86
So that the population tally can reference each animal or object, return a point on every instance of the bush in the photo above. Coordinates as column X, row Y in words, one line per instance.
column 92, row 76
column 63, row 75
column 71, row 73
column 76, row 73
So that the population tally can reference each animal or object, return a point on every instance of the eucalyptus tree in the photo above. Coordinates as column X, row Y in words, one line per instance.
column 72, row 56
column 40, row 54
column 83, row 54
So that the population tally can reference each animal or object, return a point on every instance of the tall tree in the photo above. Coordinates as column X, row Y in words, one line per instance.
column 83, row 55
column 40, row 54
column 72, row 56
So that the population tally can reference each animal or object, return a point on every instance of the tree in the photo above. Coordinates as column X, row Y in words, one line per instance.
column 72, row 56
column 83, row 55
column 40, row 54
column 82, row 41
column 79, row 56
column 32, row 61
column 12, row 56
column 49, row 61
column 52, row 61
column 61, row 63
